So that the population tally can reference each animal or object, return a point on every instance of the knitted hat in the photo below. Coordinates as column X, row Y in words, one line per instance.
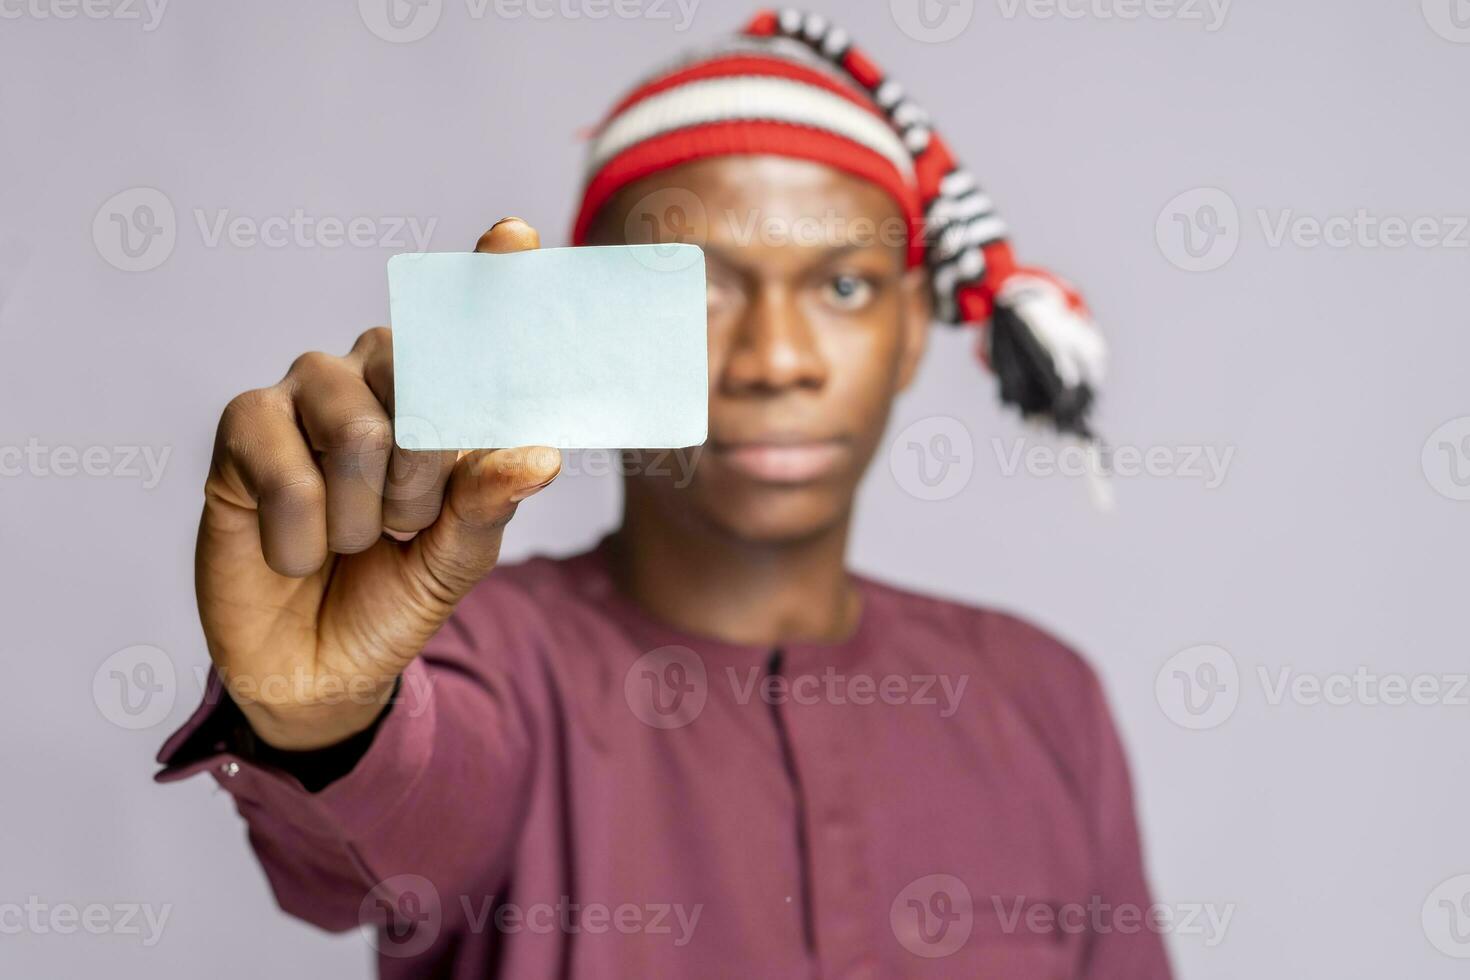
column 793, row 85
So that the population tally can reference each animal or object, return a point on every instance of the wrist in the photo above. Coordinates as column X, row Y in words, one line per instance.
column 302, row 709
column 305, row 728
column 314, row 768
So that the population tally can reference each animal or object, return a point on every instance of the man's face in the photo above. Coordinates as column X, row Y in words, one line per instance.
column 814, row 327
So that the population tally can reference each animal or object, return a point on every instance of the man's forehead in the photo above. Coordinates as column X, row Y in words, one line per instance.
column 765, row 179
column 739, row 201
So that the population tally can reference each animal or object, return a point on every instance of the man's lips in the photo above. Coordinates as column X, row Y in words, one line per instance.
column 783, row 460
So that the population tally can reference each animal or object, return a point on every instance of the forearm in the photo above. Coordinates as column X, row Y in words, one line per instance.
column 443, row 764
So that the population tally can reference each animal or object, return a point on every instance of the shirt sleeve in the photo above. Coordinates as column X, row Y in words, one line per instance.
column 447, row 764
column 1131, row 948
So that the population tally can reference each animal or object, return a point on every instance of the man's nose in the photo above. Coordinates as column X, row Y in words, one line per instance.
column 774, row 348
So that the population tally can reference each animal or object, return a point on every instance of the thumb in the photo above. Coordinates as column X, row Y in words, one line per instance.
column 509, row 235
column 463, row 544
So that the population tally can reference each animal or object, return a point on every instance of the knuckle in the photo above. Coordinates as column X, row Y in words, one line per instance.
column 413, row 475
column 436, row 590
column 446, row 574
column 361, row 435
column 239, row 423
column 374, row 338
column 355, row 539
column 488, row 514
column 410, row 515
column 296, row 488
column 294, row 565
column 313, row 362
column 245, row 406
column 501, row 518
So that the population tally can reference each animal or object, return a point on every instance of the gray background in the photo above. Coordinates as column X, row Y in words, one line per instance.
column 1334, row 542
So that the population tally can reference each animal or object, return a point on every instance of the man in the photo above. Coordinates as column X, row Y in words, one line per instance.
column 704, row 749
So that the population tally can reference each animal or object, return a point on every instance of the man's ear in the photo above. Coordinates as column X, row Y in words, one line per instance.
column 918, row 313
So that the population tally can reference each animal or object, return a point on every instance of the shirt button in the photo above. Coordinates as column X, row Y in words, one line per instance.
column 230, row 769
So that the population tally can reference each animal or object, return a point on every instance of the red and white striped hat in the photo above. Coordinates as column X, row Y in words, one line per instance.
column 791, row 84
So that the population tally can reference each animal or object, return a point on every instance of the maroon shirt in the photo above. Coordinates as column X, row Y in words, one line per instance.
column 567, row 788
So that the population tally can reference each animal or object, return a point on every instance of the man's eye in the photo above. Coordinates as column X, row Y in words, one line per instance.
column 848, row 292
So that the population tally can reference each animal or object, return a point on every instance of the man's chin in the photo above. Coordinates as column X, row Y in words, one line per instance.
column 777, row 514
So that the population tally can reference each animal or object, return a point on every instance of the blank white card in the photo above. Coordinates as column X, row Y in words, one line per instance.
column 601, row 347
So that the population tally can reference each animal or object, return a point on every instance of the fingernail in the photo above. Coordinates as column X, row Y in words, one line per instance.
column 505, row 219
